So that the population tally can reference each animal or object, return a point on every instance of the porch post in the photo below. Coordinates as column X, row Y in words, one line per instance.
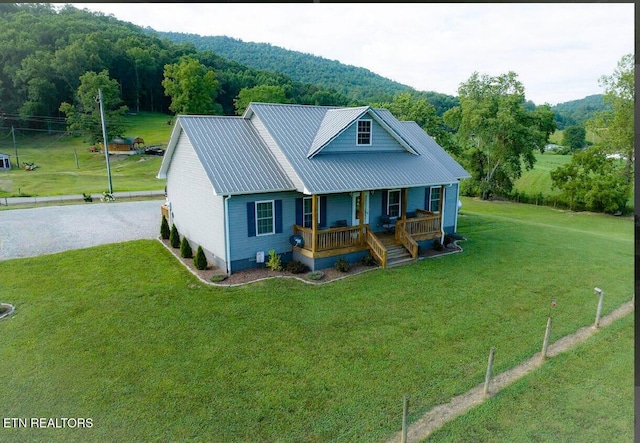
column 361, row 218
column 405, row 193
column 314, row 223
column 441, row 202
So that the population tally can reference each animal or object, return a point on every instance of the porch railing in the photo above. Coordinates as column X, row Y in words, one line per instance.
column 327, row 239
column 407, row 241
column 377, row 248
column 421, row 225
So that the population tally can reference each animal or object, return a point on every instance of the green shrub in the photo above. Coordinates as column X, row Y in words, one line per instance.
column 174, row 237
column 296, row 267
column 437, row 245
column 275, row 262
column 165, row 232
column 448, row 239
column 200, row 260
column 315, row 275
column 185, row 248
column 342, row 265
column 368, row 260
column 87, row 197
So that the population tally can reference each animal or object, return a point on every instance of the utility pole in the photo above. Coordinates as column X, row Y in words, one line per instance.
column 13, row 133
column 104, row 137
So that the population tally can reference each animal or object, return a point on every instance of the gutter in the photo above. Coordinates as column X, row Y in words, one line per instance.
column 227, row 246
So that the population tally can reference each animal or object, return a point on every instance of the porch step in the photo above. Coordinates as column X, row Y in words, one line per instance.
column 397, row 255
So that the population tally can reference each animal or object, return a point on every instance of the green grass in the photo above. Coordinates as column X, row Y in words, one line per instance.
column 587, row 392
column 538, row 180
column 58, row 173
column 125, row 335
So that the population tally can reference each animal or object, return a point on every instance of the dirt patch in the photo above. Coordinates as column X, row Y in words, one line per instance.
column 255, row 274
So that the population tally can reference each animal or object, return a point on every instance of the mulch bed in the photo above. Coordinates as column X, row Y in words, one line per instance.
column 255, row 274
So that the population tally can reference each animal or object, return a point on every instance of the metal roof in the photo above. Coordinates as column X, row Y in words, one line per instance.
column 294, row 129
column 237, row 159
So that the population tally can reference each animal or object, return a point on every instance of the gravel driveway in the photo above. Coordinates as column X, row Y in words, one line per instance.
column 46, row 230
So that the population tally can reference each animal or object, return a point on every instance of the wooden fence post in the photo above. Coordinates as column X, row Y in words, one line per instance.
column 487, row 377
column 545, row 343
column 600, row 292
column 405, row 410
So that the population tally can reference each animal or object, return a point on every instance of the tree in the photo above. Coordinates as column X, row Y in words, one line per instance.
column 574, row 137
column 84, row 116
column 260, row 93
column 200, row 260
column 499, row 135
column 192, row 87
column 615, row 127
column 592, row 181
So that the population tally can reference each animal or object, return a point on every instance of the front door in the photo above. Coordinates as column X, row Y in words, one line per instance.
column 355, row 209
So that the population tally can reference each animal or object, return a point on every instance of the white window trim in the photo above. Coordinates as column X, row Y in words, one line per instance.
column 399, row 191
column 370, row 132
column 431, row 188
column 303, row 213
column 273, row 217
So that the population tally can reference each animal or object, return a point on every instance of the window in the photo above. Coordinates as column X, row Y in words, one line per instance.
column 364, row 132
column 393, row 203
column 434, row 199
column 264, row 218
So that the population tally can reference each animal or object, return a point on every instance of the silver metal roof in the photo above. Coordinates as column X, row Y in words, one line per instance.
column 235, row 159
column 238, row 161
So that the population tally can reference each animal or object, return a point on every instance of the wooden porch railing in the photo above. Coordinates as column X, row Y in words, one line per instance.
column 333, row 238
column 377, row 248
column 422, row 225
column 407, row 241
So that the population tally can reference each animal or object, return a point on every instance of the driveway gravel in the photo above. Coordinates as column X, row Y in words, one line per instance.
column 46, row 230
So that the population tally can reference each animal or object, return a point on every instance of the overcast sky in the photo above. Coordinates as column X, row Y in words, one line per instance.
column 559, row 51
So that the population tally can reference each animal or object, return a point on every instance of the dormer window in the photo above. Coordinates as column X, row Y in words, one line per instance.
column 364, row 132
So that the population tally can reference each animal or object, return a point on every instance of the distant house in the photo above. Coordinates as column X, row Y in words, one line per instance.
column 125, row 145
column 5, row 161
column 312, row 183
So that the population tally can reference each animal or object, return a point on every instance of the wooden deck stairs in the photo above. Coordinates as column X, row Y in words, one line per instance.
column 396, row 253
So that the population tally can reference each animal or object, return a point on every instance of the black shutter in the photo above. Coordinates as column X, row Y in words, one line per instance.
column 299, row 212
column 278, row 210
column 251, row 219
column 427, row 201
column 385, row 196
column 323, row 211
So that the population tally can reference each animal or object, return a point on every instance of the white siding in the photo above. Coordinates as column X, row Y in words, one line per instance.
column 197, row 212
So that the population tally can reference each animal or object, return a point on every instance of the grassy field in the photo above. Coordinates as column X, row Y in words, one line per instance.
column 59, row 174
column 538, row 180
column 151, row 354
column 575, row 394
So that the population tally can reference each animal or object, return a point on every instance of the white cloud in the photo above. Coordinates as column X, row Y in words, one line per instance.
column 558, row 50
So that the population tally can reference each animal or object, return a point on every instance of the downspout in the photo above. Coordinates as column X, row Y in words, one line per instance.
column 444, row 201
column 227, row 246
column 455, row 223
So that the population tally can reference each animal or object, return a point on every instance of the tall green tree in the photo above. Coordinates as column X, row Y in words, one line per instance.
column 615, row 127
column 592, row 181
column 260, row 93
column 498, row 133
column 192, row 87
column 84, row 115
column 573, row 137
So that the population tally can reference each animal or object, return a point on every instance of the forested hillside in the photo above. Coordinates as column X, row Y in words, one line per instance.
column 44, row 51
column 577, row 112
column 359, row 84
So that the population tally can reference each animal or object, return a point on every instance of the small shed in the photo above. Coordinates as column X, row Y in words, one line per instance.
column 125, row 145
column 5, row 161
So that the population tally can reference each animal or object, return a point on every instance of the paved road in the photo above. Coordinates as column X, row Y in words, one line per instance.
column 46, row 230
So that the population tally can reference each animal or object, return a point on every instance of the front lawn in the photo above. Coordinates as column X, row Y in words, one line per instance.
column 124, row 335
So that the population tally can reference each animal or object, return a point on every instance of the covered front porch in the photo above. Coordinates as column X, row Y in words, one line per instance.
column 380, row 236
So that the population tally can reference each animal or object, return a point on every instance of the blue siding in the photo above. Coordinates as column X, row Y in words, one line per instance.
column 451, row 207
column 381, row 141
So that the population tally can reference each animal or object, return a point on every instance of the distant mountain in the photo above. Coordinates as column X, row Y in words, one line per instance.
column 359, row 84
column 577, row 112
